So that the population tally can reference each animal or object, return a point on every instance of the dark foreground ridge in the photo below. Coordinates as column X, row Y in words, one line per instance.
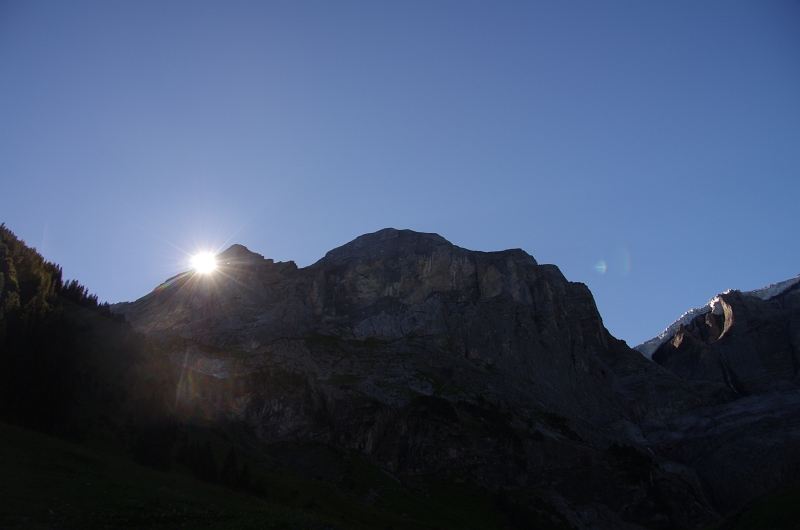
column 481, row 387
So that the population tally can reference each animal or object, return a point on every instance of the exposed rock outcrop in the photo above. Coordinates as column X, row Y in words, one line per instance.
column 747, row 343
column 427, row 357
column 503, row 313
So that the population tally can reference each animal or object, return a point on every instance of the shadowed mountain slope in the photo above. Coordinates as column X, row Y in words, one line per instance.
column 427, row 358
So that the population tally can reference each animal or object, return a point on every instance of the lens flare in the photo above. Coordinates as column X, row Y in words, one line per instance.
column 204, row 263
column 600, row 266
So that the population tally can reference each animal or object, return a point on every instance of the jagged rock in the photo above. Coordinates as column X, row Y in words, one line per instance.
column 499, row 311
column 426, row 357
column 748, row 343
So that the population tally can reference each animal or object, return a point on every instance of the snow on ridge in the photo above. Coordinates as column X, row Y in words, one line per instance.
column 648, row 348
column 765, row 293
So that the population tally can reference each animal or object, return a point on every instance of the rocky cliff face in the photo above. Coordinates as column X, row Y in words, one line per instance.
column 428, row 357
column 750, row 343
column 747, row 343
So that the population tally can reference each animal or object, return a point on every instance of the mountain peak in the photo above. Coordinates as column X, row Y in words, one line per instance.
column 238, row 252
column 649, row 347
column 399, row 343
column 388, row 240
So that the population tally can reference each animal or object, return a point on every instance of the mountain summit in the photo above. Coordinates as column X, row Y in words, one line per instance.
column 428, row 358
column 748, row 340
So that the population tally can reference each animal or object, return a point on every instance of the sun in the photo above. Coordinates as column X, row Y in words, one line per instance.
column 204, row 262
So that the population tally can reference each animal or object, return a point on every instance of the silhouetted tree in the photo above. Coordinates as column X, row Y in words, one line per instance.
column 42, row 367
column 37, row 344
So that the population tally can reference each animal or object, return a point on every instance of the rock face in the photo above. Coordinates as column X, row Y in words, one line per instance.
column 751, row 344
column 747, row 343
column 740, row 450
column 429, row 357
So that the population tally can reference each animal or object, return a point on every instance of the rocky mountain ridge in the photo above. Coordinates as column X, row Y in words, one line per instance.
column 715, row 306
column 428, row 357
column 749, row 342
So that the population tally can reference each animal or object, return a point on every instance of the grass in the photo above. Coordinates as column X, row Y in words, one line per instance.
column 47, row 482
column 361, row 496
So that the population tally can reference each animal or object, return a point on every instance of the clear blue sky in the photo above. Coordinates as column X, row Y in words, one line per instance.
column 660, row 137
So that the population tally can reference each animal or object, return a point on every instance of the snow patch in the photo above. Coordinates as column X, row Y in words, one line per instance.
column 765, row 293
column 649, row 347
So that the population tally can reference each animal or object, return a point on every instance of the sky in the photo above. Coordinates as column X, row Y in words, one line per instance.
column 650, row 149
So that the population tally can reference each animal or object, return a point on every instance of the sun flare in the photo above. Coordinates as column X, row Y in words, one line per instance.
column 204, row 263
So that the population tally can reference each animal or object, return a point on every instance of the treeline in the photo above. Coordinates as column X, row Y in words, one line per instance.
column 39, row 347
column 199, row 457
column 29, row 287
column 78, row 294
column 153, row 444
column 32, row 288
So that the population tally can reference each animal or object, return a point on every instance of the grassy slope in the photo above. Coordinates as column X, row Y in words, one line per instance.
column 46, row 481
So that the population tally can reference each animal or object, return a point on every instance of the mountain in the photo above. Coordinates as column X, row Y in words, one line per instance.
column 501, row 315
column 748, row 340
column 429, row 359
column 401, row 382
